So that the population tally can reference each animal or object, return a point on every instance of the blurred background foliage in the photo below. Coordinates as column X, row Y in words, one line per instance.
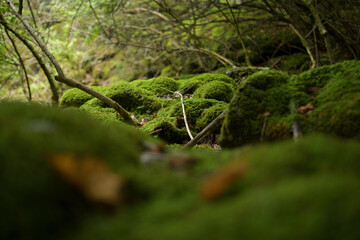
column 101, row 42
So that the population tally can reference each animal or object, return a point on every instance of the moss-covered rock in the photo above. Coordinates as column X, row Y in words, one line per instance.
column 331, row 92
column 35, row 203
column 215, row 90
column 334, row 91
column 263, row 93
column 75, row 97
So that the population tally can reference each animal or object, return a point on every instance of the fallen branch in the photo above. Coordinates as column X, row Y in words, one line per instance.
column 205, row 131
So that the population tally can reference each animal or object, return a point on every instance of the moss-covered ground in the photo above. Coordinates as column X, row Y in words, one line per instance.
column 78, row 172
column 65, row 175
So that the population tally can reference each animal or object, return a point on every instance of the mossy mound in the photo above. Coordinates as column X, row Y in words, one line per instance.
column 133, row 99
column 35, row 203
column 159, row 85
column 75, row 97
column 334, row 92
column 326, row 100
column 264, row 94
column 303, row 190
column 190, row 85
column 215, row 90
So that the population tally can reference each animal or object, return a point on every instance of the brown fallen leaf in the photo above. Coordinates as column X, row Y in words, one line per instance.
column 314, row 89
column 305, row 109
column 217, row 184
column 182, row 162
column 265, row 114
column 90, row 176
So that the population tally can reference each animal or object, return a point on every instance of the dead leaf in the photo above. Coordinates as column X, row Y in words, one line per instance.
column 314, row 89
column 182, row 162
column 91, row 176
column 216, row 185
column 305, row 109
column 265, row 114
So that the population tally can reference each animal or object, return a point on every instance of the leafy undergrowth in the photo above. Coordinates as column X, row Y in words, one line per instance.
column 65, row 175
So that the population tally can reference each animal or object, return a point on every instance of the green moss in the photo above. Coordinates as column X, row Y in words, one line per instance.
column 138, row 101
column 165, row 128
column 263, row 92
column 215, row 90
column 209, row 114
column 191, row 84
column 336, row 99
column 315, row 180
column 294, row 62
column 194, row 108
column 75, row 97
column 159, row 85
column 34, row 202
column 168, row 71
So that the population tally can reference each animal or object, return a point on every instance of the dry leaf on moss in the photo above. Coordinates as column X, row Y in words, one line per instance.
column 217, row 184
column 91, row 176
column 306, row 109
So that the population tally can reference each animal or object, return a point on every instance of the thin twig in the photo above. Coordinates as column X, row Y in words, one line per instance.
column 305, row 44
column 177, row 93
column 263, row 129
column 28, row 96
column 297, row 133
column 49, row 76
column 205, row 131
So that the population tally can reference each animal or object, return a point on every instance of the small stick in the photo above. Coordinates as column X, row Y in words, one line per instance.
column 177, row 93
column 205, row 131
column 263, row 129
column 295, row 125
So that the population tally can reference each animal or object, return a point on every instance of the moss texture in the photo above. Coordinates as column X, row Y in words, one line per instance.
column 35, row 203
column 159, row 85
column 215, row 90
column 336, row 100
column 333, row 91
column 194, row 108
column 189, row 85
column 315, row 180
column 75, row 97
column 263, row 93
column 166, row 129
